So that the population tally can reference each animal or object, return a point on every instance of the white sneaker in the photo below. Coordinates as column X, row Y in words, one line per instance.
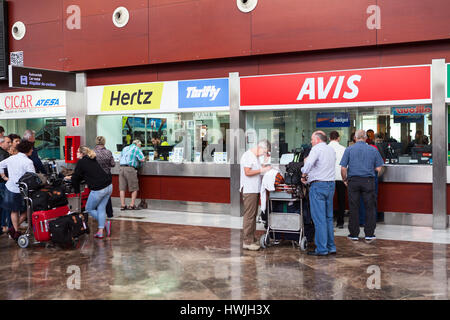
column 252, row 247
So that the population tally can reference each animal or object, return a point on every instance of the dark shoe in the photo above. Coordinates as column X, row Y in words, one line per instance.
column 332, row 252
column 16, row 235
column 370, row 239
column 123, row 208
column 313, row 253
column 11, row 232
column 133, row 208
column 352, row 238
column 340, row 226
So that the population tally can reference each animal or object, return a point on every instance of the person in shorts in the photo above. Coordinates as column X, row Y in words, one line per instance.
column 131, row 158
column 17, row 165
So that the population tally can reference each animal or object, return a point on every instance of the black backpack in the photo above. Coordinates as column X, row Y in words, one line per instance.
column 32, row 181
column 40, row 200
column 57, row 197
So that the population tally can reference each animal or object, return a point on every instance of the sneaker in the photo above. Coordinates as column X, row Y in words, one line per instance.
column 108, row 228
column 352, row 238
column 252, row 247
column 370, row 239
column 340, row 226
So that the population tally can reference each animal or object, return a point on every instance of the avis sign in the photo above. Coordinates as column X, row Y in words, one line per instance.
column 338, row 87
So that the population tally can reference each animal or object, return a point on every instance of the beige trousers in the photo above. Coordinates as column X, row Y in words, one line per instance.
column 250, row 212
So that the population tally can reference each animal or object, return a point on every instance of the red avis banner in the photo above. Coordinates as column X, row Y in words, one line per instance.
column 365, row 85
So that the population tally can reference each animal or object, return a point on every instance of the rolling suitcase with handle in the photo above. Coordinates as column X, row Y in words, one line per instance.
column 41, row 220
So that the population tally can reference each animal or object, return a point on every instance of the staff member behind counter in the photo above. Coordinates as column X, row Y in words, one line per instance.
column 156, row 143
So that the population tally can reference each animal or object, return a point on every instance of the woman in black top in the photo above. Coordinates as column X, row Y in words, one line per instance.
column 100, row 186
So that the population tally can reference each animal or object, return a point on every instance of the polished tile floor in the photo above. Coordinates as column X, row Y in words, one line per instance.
column 198, row 256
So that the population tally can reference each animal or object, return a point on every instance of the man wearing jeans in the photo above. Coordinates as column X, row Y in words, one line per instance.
column 358, row 166
column 319, row 172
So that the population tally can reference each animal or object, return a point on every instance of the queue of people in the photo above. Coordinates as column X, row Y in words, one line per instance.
column 328, row 168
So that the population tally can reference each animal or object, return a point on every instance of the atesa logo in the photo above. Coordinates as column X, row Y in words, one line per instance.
column 47, row 102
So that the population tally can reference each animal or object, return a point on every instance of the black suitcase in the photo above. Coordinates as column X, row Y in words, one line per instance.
column 64, row 230
column 80, row 224
column 61, row 230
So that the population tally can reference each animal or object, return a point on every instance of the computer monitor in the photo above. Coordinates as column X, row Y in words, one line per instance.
column 119, row 147
column 421, row 153
column 163, row 151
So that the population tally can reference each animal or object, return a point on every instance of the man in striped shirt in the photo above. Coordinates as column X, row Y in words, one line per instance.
column 131, row 158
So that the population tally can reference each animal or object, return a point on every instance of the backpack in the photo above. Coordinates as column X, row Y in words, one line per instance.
column 40, row 200
column 32, row 181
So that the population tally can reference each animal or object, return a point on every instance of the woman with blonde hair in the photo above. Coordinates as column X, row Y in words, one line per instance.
column 100, row 184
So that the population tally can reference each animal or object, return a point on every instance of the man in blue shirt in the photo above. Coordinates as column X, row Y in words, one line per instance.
column 319, row 172
column 358, row 166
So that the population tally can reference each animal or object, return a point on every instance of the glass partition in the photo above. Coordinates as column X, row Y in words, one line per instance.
column 186, row 137
column 50, row 133
column 402, row 134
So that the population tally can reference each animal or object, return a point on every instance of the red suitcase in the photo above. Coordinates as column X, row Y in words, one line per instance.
column 41, row 219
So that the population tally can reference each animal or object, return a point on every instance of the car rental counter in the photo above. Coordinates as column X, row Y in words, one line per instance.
column 43, row 111
column 193, row 132
column 182, row 126
column 393, row 104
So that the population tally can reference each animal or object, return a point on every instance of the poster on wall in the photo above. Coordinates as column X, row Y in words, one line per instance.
column 332, row 119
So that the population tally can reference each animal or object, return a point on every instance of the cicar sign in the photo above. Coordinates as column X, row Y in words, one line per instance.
column 362, row 86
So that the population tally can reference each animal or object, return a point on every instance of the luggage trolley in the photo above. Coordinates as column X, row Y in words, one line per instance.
column 38, row 220
column 279, row 223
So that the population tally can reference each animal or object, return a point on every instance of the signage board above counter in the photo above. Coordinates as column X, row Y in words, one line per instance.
column 360, row 87
column 159, row 97
column 32, row 78
column 32, row 104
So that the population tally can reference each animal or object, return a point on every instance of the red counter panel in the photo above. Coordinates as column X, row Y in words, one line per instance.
column 215, row 190
column 405, row 197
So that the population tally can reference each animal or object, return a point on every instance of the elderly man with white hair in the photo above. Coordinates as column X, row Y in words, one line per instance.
column 29, row 135
column 250, row 187
column 358, row 166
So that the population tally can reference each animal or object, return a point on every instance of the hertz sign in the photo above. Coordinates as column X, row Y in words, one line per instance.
column 132, row 97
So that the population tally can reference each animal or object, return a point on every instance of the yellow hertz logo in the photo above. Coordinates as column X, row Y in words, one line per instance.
column 132, row 97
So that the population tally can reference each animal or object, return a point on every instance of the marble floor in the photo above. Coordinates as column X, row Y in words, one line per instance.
column 155, row 255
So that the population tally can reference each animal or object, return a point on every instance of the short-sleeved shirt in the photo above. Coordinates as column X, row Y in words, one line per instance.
column 131, row 155
column 361, row 160
column 250, row 184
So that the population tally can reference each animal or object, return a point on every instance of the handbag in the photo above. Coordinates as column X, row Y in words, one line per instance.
column 32, row 181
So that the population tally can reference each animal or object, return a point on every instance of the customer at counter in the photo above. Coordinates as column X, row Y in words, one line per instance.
column 106, row 160
column 358, row 166
column 5, row 144
column 131, row 158
column 319, row 172
column 340, row 185
column 250, row 187
column 15, row 140
column 29, row 135
column 99, row 183
column 13, row 201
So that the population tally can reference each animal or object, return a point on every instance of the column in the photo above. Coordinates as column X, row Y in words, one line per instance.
column 236, row 144
column 439, row 144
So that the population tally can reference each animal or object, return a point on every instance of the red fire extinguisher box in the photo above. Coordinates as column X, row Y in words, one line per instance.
column 72, row 143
